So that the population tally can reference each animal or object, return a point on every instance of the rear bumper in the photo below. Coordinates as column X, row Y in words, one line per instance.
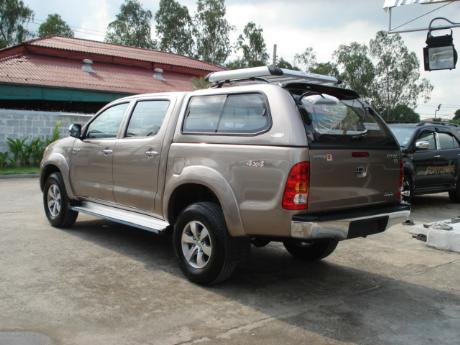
column 343, row 225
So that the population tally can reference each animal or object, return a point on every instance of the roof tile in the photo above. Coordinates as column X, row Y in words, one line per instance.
column 102, row 48
column 59, row 72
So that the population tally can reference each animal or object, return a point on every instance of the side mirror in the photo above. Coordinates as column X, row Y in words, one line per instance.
column 422, row 145
column 75, row 130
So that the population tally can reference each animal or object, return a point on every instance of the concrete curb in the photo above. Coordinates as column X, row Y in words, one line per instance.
column 6, row 177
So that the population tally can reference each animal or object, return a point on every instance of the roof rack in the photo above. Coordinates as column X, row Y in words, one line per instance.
column 270, row 74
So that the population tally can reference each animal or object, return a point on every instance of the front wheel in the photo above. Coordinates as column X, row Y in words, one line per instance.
column 408, row 189
column 207, row 254
column 310, row 250
column 455, row 194
column 56, row 203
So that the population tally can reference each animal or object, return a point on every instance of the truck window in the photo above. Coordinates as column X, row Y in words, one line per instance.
column 203, row 114
column 227, row 114
column 428, row 137
column 106, row 124
column 330, row 121
column 146, row 118
column 447, row 141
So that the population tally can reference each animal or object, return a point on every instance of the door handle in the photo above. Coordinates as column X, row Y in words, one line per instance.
column 151, row 153
column 107, row 152
column 437, row 156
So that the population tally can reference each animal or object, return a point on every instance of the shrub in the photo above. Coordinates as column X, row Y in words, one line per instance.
column 17, row 149
column 4, row 159
column 26, row 153
column 35, row 150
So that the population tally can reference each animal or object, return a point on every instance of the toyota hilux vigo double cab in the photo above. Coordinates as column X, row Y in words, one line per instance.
column 265, row 154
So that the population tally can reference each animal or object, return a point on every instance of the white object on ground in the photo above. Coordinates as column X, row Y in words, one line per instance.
column 444, row 234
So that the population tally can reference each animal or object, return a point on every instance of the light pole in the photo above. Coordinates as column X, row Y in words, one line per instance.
column 436, row 111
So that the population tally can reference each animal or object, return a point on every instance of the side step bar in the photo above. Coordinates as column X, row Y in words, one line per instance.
column 122, row 216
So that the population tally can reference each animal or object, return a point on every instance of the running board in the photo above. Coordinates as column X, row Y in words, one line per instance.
column 119, row 215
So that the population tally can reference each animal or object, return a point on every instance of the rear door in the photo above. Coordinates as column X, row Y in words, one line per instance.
column 137, row 155
column 354, row 159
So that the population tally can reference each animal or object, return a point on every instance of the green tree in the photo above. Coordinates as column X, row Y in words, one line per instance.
column 355, row 68
column 306, row 60
column 252, row 44
column 402, row 114
column 55, row 25
column 131, row 27
column 212, row 31
column 174, row 28
column 457, row 114
column 14, row 16
column 282, row 63
column 456, row 118
column 326, row 68
column 397, row 78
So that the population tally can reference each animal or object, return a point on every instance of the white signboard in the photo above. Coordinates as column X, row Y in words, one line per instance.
column 395, row 3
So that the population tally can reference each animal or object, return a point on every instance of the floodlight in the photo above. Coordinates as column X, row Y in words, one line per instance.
column 439, row 53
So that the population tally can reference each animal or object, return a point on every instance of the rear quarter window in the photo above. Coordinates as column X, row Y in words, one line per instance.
column 227, row 114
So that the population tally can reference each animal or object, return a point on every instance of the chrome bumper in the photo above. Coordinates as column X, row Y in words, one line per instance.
column 348, row 227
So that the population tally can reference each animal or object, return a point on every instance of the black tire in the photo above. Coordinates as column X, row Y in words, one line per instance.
column 310, row 250
column 408, row 186
column 455, row 194
column 225, row 251
column 64, row 216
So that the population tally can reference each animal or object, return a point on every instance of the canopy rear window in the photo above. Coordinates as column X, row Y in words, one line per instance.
column 331, row 121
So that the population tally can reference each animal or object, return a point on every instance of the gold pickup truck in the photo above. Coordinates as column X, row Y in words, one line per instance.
column 265, row 154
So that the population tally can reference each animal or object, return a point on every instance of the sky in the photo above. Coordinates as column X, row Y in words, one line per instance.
column 293, row 25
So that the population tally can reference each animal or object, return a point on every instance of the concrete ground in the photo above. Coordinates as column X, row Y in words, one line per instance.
column 103, row 283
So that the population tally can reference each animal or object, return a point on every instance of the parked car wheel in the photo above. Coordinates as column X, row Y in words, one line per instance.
column 455, row 194
column 56, row 203
column 408, row 189
column 207, row 254
column 310, row 250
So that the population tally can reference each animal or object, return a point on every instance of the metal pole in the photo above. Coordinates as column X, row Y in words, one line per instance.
column 389, row 19
column 274, row 54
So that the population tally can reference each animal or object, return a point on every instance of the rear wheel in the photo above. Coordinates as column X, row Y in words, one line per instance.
column 56, row 203
column 310, row 250
column 207, row 254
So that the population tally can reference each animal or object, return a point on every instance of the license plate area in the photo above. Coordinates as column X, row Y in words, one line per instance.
column 364, row 227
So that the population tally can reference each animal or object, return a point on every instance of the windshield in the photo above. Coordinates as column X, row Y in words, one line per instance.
column 403, row 134
column 331, row 121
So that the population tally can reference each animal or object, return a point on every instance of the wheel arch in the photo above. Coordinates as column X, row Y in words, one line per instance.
column 56, row 162
column 197, row 184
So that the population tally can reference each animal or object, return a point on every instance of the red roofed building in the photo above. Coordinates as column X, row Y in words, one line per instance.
column 71, row 74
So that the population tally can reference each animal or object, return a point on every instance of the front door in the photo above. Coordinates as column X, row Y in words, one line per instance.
column 137, row 155
column 449, row 157
column 426, row 162
column 92, row 156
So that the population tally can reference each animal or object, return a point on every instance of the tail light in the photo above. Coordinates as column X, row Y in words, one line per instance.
column 401, row 180
column 296, row 191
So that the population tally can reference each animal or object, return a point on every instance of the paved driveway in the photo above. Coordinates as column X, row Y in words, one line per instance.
column 103, row 283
